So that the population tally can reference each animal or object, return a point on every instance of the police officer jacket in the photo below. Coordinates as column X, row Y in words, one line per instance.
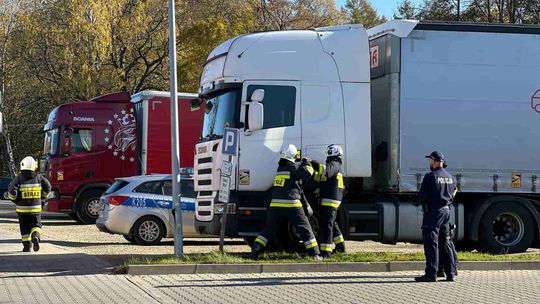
column 26, row 190
column 286, row 192
column 437, row 189
column 330, row 177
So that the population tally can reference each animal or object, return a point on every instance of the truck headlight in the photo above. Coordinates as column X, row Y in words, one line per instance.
column 219, row 207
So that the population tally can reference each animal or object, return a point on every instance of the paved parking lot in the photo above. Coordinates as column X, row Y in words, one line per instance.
column 74, row 266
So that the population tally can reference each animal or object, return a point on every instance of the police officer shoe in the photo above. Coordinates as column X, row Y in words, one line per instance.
column 425, row 278
column 451, row 279
column 35, row 241
column 340, row 248
column 26, row 247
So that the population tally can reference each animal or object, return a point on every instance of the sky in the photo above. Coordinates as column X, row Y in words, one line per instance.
column 384, row 7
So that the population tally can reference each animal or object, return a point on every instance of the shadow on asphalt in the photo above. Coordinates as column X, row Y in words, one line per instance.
column 324, row 278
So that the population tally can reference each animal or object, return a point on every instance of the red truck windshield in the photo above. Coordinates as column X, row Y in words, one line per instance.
column 50, row 147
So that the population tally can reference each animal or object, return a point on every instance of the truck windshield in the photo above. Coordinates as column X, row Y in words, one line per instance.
column 221, row 111
column 50, row 146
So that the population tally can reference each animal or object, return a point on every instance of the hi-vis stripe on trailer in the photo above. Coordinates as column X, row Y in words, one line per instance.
column 330, row 203
column 285, row 203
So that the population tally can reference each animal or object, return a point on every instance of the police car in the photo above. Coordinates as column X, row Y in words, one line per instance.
column 141, row 209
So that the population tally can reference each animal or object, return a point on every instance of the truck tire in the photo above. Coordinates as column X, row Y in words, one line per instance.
column 87, row 206
column 74, row 217
column 287, row 239
column 506, row 227
column 148, row 230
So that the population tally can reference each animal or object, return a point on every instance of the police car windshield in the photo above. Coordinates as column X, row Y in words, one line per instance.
column 221, row 111
column 50, row 146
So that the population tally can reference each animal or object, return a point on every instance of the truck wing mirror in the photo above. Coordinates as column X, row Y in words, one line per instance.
column 195, row 104
column 257, row 96
column 255, row 116
column 1, row 122
column 67, row 146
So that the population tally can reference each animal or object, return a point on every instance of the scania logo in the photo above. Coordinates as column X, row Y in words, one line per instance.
column 85, row 119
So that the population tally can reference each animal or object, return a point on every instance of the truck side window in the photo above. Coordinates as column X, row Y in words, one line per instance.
column 149, row 187
column 81, row 140
column 279, row 104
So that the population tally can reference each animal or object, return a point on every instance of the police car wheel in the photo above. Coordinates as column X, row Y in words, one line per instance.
column 506, row 227
column 148, row 230
column 129, row 239
column 87, row 206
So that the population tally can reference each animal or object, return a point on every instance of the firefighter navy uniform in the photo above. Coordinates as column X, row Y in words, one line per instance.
column 436, row 194
column 331, row 190
column 286, row 205
column 27, row 190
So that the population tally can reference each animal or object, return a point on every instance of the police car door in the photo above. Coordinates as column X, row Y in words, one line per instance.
column 259, row 150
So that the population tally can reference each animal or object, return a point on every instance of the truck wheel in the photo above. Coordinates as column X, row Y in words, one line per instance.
column 287, row 238
column 506, row 228
column 87, row 206
column 74, row 217
column 148, row 230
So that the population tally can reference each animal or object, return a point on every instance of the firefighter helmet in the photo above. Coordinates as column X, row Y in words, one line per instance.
column 29, row 163
column 334, row 150
column 288, row 152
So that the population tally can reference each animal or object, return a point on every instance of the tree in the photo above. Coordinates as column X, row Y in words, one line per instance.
column 361, row 11
column 405, row 10
column 437, row 10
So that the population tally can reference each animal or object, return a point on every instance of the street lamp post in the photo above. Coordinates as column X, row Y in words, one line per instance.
column 175, row 137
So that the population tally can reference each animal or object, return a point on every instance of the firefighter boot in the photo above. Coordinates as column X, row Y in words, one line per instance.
column 35, row 240
column 326, row 254
column 256, row 250
column 340, row 248
column 26, row 247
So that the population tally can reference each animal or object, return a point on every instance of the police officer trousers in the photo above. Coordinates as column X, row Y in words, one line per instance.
column 277, row 216
column 443, row 235
column 29, row 224
column 330, row 232
column 434, row 223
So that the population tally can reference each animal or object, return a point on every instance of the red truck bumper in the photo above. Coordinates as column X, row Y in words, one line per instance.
column 63, row 205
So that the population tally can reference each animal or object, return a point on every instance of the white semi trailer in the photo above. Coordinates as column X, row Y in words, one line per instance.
column 390, row 95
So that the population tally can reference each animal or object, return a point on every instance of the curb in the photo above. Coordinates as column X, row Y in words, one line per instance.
column 320, row 267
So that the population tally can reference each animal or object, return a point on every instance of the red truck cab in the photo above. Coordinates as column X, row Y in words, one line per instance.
column 90, row 143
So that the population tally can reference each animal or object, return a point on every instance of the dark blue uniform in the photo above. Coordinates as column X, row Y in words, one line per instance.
column 436, row 194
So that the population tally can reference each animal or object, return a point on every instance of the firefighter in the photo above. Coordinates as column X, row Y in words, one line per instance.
column 436, row 194
column 331, row 188
column 27, row 190
column 286, row 203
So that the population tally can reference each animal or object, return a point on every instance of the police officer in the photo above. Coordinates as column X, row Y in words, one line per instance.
column 286, row 203
column 331, row 187
column 444, row 234
column 27, row 190
column 436, row 193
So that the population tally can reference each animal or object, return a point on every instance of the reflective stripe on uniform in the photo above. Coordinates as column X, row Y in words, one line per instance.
column 320, row 175
column 340, row 183
column 28, row 209
column 338, row 239
column 281, row 177
column 285, row 203
column 309, row 168
column 330, row 203
column 35, row 229
column 326, row 247
column 12, row 197
column 262, row 240
column 311, row 243
column 26, row 237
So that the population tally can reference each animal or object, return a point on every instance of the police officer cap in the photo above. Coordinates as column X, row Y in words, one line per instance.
column 436, row 156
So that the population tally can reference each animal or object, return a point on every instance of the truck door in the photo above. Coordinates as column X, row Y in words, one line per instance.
column 259, row 150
